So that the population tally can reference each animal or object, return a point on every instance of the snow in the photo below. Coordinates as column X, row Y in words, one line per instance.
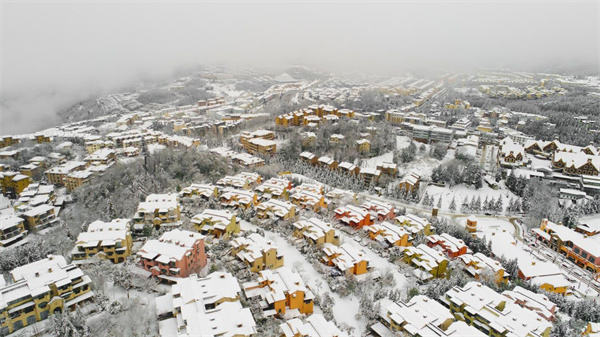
column 155, row 147
column 460, row 192
column 372, row 162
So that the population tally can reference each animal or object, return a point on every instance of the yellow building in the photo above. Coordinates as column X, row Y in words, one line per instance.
column 316, row 231
column 8, row 141
column 415, row 224
column 39, row 217
column 276, row 209
column 430, row 262
column 281, row 289
column 41, row 138
column 257, row 252
column 219, row 223
column 107, row 240
column 478, row 265
column 390, row 234
column 158, row 210
column 363, row 145
column 13, row 183
column 346, row 258
column 58, row 174
column 40, row 289
column 77, row 179
column 12, row 230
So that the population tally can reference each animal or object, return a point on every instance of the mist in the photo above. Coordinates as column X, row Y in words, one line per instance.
column 56, row 53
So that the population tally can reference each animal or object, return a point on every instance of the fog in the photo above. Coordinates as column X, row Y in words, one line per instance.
column 55, row 53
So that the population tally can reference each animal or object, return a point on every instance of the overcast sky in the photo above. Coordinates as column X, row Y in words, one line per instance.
column 54, row 53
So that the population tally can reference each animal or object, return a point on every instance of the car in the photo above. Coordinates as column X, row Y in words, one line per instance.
column 487, row 213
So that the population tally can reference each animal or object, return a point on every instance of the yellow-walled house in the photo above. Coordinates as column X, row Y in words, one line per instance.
column 108, row 240
column 218, row 223
column 257, row 252
column 316, row 231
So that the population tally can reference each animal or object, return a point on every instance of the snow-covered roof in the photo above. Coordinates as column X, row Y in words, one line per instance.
column 171, row 246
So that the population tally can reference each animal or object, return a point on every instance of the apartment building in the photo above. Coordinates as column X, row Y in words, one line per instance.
column 205, row 191
column 39, row 217
column 257, row 252
column 582, row 249
column 369, row 174
column 107, row 240
column 492, row 313
column 259, row 142
column 77, row 179
column 206, row 306
column 174, row 255
column 159, row 210
column 243, row 180
column 316, row 231
column 57, row 175
column 13, row 183
column 238, row 198
column 478, row 265
column 103, row 156
column 432, row 134
column 12, row 230
column 309, row 158
column 218, row 223
column 363, row 145
column 40, row 289
column 429, row 262
column 8, row 141
column 283, row 290
column 345, row 258
column 275, row 188
column 410, row 182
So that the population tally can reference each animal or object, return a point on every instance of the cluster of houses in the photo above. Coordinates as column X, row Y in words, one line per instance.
column 313, row 116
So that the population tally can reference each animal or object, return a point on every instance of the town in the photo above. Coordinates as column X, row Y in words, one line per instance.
column 303, row 203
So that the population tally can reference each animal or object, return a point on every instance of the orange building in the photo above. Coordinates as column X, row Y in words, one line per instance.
column 353, row 216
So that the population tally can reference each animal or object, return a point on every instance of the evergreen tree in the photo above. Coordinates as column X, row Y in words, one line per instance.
column 453, row 205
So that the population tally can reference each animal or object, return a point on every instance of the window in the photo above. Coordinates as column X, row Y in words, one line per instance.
column 43, row 305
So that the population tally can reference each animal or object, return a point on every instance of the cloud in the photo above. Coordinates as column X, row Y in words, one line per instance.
column 54, row 53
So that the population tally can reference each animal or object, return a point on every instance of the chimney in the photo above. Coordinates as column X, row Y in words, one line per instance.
column 533, row 263
column 49, row 270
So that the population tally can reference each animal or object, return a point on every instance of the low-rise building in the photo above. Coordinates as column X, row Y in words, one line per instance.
column 103, row 156
column 450, row 245
column 206, row 306
column 316, row 231
column 40, row 217
column 56, row 175
column 410, row 182
column 159, row 210
column 353, row 216
column 13, row 183
column 429, row 262
column 545, row 275
column 478, row 265
column 305, row 199
column 369, row 175
column 349, row 168
column 492, row 313
column 379, row 210
column 12, row 230
column 538, row 303
column 40, row 289
column 346, row 258
column 415, row 224
column 277, row 188
column 175, row 254
column 243, row 180
column 108, row 240
column 314, row 326
column 238, row 198
column 205, row 191
column 257, row 252
column 77, row 179
column 390, row 234
column 276, row 209
column 218, row 223
column 283, row 291
column 363, row 145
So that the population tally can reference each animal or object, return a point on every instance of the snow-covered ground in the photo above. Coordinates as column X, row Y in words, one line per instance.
column 460, row 192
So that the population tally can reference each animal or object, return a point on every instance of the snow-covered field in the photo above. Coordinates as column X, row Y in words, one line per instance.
column 460, row 192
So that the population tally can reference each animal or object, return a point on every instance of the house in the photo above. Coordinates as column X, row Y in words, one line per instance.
column 312, row 188
column 379, row 210
column 257, row 252
column 592, row 329
column 336, row 138
column 276, row 209
column 478, row 265
column 306, row 199
column 369, row 175
column 345, row 258
column 448, row 244
column 390, row 169
column 492, row 313
column 314, row 326
column 159, row 210
column 218, row 223
column 39, row 217
column 410, row 182
column 40, row 289
column 349, row 168
column 582, row 249
column 423, row 316
column 309, row 158
column 8, row 141
column 175, row 254
column 108, row 240
column 30, row 170
column 12, row 230
column 363, row 145
column 353, row 216
column 277, row 188
column 511, row 154
column 327, row 162
column 282, row 290
column 207, row 306
column 415, row 224
column 205, row 191
column 390, row 234
column 244, row 180
column 241, row 199
column 538, row 303
column 316, row 231
column 429, row 262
